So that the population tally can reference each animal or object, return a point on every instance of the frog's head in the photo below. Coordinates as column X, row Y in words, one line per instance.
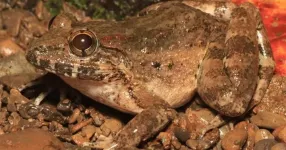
column 74, row 50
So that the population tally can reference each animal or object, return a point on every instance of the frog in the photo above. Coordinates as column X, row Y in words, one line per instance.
column 165, row 55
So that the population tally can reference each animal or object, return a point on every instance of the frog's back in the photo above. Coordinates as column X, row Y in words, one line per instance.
column 167, row 47
column 173, row 24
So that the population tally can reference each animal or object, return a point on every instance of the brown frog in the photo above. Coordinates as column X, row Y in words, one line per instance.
column 167, row 53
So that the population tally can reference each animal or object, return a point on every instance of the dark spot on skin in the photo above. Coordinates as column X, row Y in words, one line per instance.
column 215, row 53
column 170, row 65
column 239, row 12
column 240, row 44
column 63, row 69
column 90, row 73
column 266, row 73
column 31, row 57
column 156, row 64
column 45, row 63
column 4, row 27
column 131, row 94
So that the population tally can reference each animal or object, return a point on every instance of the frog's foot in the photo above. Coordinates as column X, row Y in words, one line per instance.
column 144, row 125
column 224, row 10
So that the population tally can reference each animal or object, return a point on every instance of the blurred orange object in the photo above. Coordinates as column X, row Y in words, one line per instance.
column 273, row 13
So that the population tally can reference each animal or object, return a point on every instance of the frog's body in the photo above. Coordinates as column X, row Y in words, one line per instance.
column 166, row 55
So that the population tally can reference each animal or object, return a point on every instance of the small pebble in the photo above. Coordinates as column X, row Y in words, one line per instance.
column 279, row 146
column 105, row 131
column 176, row 144
column 280, row 133
column 264, row 144
column 251, row 132
column 235, row 139
column 181, row 134
column 263, row 134
column 3, row 116
column 17, row 97
column 14, row 118
column 268, row 120
column 79, row 139
column 165, row 139
column 65, row 106
column 192, row 143
column 73, row 117
column 183, row 147
column 88, row 131
column 80, row 125
column 98, row 118
column 113, row 124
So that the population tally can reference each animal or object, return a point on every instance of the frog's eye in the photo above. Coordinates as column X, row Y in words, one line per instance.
column 83, row 43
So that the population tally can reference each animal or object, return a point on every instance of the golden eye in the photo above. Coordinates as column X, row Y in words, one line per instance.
column 83, row 43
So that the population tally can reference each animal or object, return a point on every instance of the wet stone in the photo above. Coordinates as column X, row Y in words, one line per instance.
column 265, row 144
column 11, row 106
column 50, row 114
column 234, row 139
column 184, row 148
column 165, row 138
column 113, row 124
column 279, row 146
column 3, row 116
column 181, row 134
column 14, row 118
column 65, row 106
column 268, row 120
column 29, row 110
column 98, row 119
column 105, row 131
column 280, row 133
column 74, row 116
column 79, row 139
column 88, row 131
column 251, row 132
column 263, row 134
column 176, row 144
column 17, row 97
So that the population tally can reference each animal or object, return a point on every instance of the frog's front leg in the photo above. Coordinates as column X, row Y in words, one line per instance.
column 229, row 72
column 223, row 10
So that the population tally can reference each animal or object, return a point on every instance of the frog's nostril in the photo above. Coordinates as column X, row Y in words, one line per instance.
column 83, row 43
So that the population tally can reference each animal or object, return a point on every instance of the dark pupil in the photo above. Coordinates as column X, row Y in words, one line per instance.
column 82, row 41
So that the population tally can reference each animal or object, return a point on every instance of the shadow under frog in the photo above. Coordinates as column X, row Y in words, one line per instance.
column 166, row 54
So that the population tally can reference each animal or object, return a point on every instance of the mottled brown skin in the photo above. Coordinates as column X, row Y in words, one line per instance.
column 157, row 58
